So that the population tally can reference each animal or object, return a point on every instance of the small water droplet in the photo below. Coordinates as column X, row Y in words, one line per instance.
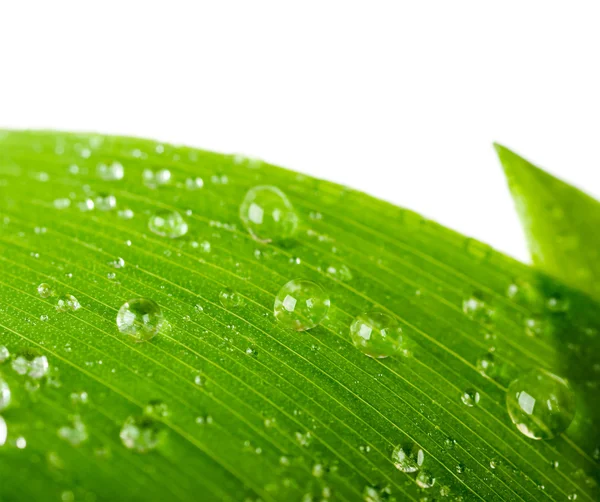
column 377, row 334
column 3, row 431
column 67, row 303
column 557, row 303
column 4, row 353
column 5, row 395
column 140, row 318
column 477, row 309
column 86, row 205
column 425, row 479
column 44, row 290
column 198, row 380
column 118, row 263
column 540, row 404
column 470, row 397
column 125, row 214
column 301, row 305
column 230, row 299
column 141, row 434
column 62, row 203
column 303, row 439
column 408, row 459
column 157, row 409
column 268, row 215
column 110, row 172
column 486, row 365
column 78, row 398
column 75, row 433
column 168, row 224
column 105, row 202
column 21, row 443
column 194, row 183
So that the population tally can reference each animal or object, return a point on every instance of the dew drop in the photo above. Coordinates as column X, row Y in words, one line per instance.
column 74, row 433
column 140, row 318
column 486, row 365
column 157, row 409
column 470, row 397
column 377, row 334
column 301, row 305
column 38, row 367
column 86, row 205
column 425, row 479
column 62, row 203
column 4, row 353
column 268, row 215
column 5, row 394
column 408, row 459
column 194, row 183
column 44, row 290
column 477, row 309
column 557, row 303
column 110, row 172
column 168, row 224
column 118, row 263
column 540, row 404
column 141, row 434
column 230, row 299
column 67, row 303
column 105, row 202
column 125, row 214
column 3, row 431
column 21, row 443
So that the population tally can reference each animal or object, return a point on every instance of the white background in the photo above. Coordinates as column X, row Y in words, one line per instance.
column 400, row 99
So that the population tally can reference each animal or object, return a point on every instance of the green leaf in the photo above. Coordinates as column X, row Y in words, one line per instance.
column 243, row 407
column 561, row 223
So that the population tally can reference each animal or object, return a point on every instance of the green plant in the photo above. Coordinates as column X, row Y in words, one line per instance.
column 213, row 397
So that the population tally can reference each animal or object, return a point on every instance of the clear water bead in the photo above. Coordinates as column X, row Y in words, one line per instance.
column 3, row 431
column 541, row 404
column 44, row 290
column 470, row 397
column 377, row 334
column 230, row 299
column 105, row 202
column 268, row 215
column 408, row 459
column 67, row 303
column 140, row 318
column 168, row 223
column 5, row 394
column 4, row 353
column 301, row 305
column 110, row 172
column 425, row 479
column 141, row 434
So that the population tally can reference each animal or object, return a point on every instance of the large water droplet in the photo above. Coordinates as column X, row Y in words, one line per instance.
column 44, row 290
column 30, row 363
column 408, row 459
column 110, row 172
column 377, row 334
column 301, row 305
column 470, row 397
column 168, row 224
column 4, row 394
column 141, row 434
column 540, row 404
column 268, row 215
column 140, row 318
column 67, row 303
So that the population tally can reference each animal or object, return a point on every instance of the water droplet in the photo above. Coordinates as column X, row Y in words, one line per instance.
column 21, row 443
column 557, row 303
column 194, row 183
column 67, row 496
column 3, row 431
column 425, row 479
column 377, row 334
column 79, row 397
column 168, row 224
column 477, row 309
column 318, row 470
column 4, row 394
column 141, row 434
column 230, row 299
column 75, row 433
column 572, row 496
column 4, row 353
column 62, row 203
column 156, row 408
column 140, row 318
column 86, row 205
column 67, row 303
column 268, row 215
column 301, row 305
column 303, row 439
column 198, row 380
column 341, row 272
column 110, row 172
column 38, row 367
column 44, row 290
column 105, row 202
column 470, row 397
column 162, row 177
column 125, row 214
column 540, row 404
column 493, row 464
column 486, row 365
column 118, row 263
column 408, row 459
